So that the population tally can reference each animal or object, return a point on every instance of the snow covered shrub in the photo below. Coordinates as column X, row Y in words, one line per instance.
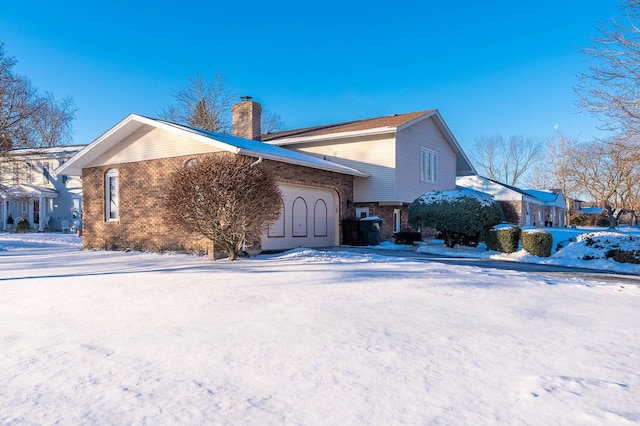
column 537, row 242
column 23, row 226
column 503, row 238
column 620, row 247
column 455, row 212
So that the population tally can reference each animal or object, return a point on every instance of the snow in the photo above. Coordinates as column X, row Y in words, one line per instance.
column 573, row 253
column 454, row 194
column 306, row 337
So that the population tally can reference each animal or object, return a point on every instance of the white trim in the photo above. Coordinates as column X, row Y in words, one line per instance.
column 232, row 144
column 431, row 157
column 329, row 136
column 111, row 196
column 361, row 210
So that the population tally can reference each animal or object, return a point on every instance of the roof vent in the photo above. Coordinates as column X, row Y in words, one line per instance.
column 393, row 115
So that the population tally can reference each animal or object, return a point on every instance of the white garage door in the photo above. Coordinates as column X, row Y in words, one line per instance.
column 308, row 219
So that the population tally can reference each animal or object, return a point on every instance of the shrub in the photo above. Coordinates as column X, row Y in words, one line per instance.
column 537, row 242
column 10, row 220
column 504, row 238
column 228, row 199
column 455, row 213
column 624, row 256
column 23, row 225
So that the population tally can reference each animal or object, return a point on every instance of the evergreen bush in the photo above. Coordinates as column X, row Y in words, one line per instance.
column 537, row 242
column 504, row 238
column 455, row 213
column 23, row 225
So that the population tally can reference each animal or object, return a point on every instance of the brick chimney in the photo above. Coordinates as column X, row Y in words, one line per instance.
column 246, row 119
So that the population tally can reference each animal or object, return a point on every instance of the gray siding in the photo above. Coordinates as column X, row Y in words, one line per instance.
column 409, row 141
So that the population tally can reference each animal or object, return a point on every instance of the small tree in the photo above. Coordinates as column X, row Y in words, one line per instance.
column 226, row 198
column 461, row 211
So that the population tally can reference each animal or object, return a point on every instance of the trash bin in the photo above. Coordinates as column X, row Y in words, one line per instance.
column 350, row 231
column 370, row 230
column 361, row 232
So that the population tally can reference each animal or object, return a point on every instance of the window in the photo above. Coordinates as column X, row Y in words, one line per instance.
column 112, row 201
column 396, row 220
column 362, row 212
column 45, row 172
column 30, row 169
column 428, row 165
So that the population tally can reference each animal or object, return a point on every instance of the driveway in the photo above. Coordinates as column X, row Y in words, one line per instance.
column 532, row 268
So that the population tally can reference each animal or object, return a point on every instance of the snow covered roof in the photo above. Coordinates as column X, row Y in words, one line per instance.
column 221, row 141
column 47, row 151
column 591, row 210
column 31, row 191
column 502, row 191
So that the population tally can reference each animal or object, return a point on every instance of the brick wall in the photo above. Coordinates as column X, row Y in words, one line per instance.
column 141, row 192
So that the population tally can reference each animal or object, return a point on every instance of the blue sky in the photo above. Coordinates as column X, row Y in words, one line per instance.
column 502, row 67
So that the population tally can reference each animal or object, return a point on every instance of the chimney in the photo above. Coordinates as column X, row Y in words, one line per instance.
column 246, row 119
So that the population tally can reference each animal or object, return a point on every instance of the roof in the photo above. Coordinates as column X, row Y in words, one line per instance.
column 546, row 196
column 51, row 150
column 31, row 191
column 221, row 141
column 389, row 121
column 370, row 126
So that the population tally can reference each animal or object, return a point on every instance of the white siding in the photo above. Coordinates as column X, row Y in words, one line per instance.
column 150, row 143
column 374, row 155
column 409, row 141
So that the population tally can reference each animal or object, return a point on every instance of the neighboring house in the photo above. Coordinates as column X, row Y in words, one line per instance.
column 405, row 155
column 524, row 207
column 370, row 167
column 30, row 189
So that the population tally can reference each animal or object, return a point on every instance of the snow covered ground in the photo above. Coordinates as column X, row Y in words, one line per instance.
column 306, row 337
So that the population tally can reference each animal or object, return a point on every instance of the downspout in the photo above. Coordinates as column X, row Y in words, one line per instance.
column 255, row 163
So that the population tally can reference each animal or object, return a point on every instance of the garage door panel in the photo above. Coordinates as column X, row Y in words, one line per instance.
column 308, row 219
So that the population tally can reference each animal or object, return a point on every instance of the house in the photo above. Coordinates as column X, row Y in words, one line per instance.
column 405, row 156
column 30, row 189
column 524, row 207
column 370, row 167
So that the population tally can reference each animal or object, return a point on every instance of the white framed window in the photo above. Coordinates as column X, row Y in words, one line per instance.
column 428, row 165
column 112, row 196
column 396, row 220
column 362, row 212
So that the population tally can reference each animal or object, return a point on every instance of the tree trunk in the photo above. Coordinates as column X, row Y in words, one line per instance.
column 613, row 222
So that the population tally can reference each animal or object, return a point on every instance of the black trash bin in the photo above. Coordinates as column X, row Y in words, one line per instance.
column 370, row 230
column 350, row 231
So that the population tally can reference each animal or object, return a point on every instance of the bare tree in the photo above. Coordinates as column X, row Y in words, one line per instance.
column 556, row 171
column 51, row 123
column 229, row 199
column 206, row 104
column 506, row 161
column 28, row 119
column 203, row 104
column 610, row 89
column 271, row 122
column 608, row 175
